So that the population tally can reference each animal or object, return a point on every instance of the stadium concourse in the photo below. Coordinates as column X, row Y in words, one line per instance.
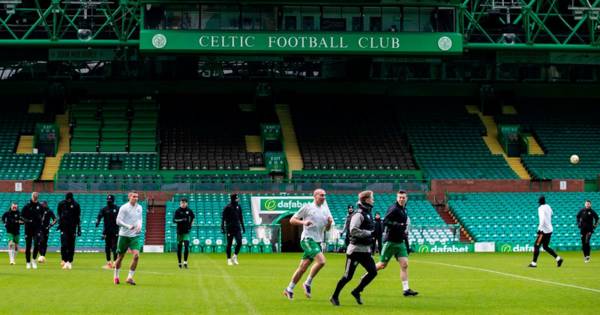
column 229, row 117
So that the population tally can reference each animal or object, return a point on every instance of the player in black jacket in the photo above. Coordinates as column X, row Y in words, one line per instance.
column 110, row 232
column 184, row 218
column 48, row 221
column 12, row 222
column 69, row 224
column 587, row 220
column 31, row 214
column 395, row 239
column 232, row 224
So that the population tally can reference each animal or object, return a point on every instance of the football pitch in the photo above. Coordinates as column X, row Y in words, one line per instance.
column 483, row 283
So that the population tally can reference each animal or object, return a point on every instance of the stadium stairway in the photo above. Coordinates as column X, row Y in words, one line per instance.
column 253, row 144
column 491, row 140
column 25, row 145
column 155, row 225
column 534, row 147
column 445, row 213
column 290, row 142
column 52, row 164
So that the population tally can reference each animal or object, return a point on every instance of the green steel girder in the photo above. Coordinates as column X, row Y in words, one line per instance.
column 537, row 25
column 71, row 23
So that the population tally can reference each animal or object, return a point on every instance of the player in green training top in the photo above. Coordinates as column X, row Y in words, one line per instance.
column 12, row 221
column 395, row 239
column 316, row 219
column 129, row 220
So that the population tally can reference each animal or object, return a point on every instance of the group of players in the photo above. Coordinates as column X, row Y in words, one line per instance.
column 123, row 226
column 316, row 218
column 122, row 229
column 121, row 232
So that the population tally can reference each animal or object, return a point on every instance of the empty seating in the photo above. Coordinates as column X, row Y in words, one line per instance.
column 513, row 217
column 114, row 126
column 209, row 139
column 447, row 144
column 333, row 138
column 562, row 133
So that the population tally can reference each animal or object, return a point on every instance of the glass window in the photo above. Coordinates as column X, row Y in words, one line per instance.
column 155, row 17
column 251, row 19
column 173, row 21
column 442, row 19
column 290, row 18
column 311, row 17
column 426, row 18
column 372, row 19
column 410, row 19
column 190, row 20
column 332, row 19
column 353, row 18
column 391, row 19
column 220, row 17
column 268, row 17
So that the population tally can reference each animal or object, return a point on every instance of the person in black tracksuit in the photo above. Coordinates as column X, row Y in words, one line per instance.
column 378, row 234
column 362, row 232
column 587, row 220
column 69, row 224
column 110, row 232
column 32, row 216
column 232, row 224
column 48, row 221
column 184, row 218
column 346, row 230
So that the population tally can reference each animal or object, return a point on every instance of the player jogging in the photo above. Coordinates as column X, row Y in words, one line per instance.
column 315, row 219
column 544, row 233
column 12, row 222
column 183, row 217
column 110, row 232
column 130, row 223
column 587, row 220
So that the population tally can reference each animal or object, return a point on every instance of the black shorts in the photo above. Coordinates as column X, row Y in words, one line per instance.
column 543, row 238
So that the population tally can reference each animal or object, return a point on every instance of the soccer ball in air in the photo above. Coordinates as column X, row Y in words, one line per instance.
column 574, row 159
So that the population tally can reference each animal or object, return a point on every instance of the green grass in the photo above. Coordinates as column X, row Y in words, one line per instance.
column 255, row 286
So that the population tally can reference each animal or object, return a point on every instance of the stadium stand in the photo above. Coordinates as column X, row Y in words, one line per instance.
column 513, row 217
column 562, row 134
column 90, row 205
column 113, row 126
column 350, row 141
column 207, row 140
column 447, row 144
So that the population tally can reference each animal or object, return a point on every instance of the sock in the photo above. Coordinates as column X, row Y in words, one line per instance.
column 185, row 262
column 10, row 255
column 131, row 272
column 558, row 258
column 405, row 285
column 291, row 286
column 309, row 280
column 117, row 272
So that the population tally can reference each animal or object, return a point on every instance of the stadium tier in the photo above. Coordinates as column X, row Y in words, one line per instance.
column 91, row 237
column 332, row 138
column 21, row 166
column 111, row 126
column 562, row 134
column 106, row 162
column 513, row 217
column 210, row 139
column 447, row 144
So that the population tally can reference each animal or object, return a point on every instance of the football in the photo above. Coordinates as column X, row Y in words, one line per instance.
column 574, row 159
